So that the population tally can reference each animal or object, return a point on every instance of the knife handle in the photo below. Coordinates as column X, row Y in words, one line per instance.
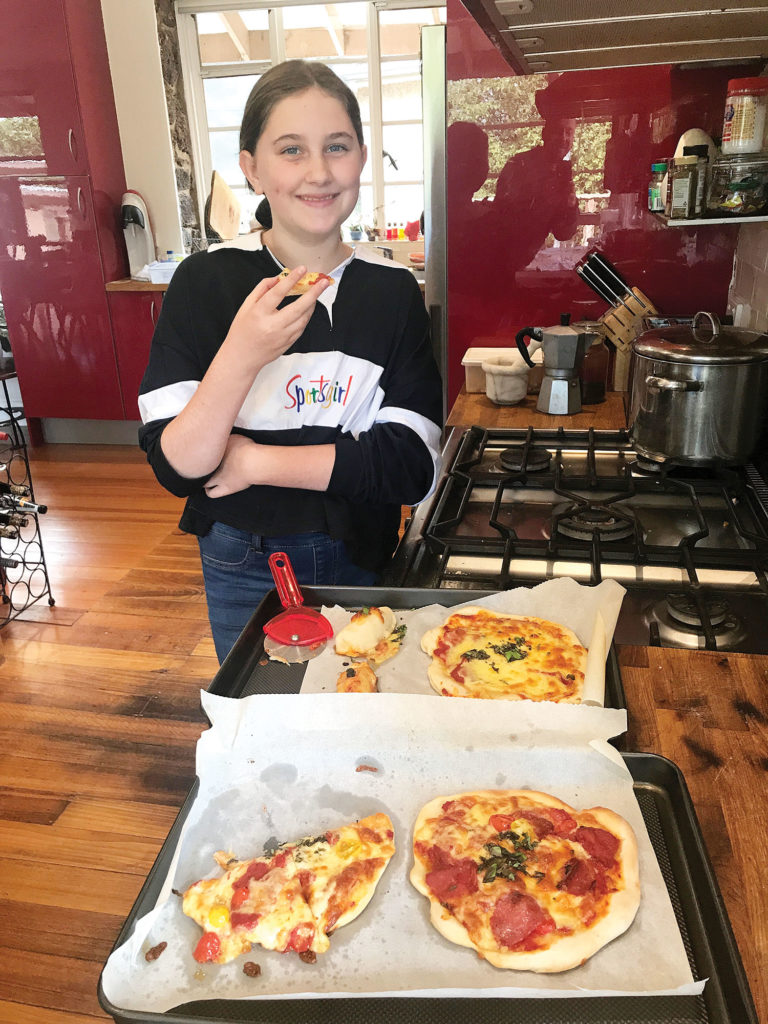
column 285, row 580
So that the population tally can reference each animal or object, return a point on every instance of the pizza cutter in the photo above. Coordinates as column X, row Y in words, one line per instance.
column 298, row 633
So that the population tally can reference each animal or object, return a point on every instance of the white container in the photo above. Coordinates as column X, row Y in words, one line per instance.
column 745, row 116
column 506, row 378
column 474, row 375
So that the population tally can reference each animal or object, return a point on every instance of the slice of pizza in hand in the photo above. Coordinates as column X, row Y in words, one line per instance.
column 339, row 871
column 372, row 634
column 256, row 902
column 306, row 281
column 524, row 879
column 357, row 678
column 480, row 653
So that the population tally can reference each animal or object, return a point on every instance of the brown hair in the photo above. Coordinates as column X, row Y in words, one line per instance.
column 285, row 79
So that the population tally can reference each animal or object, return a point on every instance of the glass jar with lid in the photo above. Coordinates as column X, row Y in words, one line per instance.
column 738, row 187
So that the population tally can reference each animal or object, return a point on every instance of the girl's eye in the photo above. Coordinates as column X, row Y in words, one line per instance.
column 338, row 147
column 290, row 150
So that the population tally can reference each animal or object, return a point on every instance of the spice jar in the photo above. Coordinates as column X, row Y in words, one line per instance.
column 683, row 190
column 655, row 197
column 745, row 116
column 738, row 187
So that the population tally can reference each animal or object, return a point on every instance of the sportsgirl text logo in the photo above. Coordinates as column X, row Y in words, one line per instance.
column 323, row 392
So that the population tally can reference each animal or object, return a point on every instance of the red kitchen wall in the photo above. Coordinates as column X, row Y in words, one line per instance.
column 542, row 169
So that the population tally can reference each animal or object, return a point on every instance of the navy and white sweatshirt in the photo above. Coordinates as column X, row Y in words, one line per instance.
column 362, row 377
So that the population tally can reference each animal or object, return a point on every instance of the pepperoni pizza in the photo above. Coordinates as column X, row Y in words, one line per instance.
column 527, row 881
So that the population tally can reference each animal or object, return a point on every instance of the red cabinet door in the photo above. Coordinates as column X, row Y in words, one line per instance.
column 134, row 315
column 56, row 307
column 40, row 127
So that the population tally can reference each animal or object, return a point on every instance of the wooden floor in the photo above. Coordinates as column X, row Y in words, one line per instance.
column 99, row 715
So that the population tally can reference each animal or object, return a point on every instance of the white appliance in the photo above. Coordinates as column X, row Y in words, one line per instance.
column 138, row 232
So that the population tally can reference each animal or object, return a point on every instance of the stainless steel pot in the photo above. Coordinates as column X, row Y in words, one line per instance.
column 699, row 394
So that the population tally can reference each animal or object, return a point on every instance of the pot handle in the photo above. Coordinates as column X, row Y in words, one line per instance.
column 714, row 322
column 657, row 384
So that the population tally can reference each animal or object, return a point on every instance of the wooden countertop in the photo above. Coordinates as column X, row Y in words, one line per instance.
column 129, row 284
column 471, row 409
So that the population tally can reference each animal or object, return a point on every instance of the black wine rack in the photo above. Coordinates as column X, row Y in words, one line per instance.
column 23, row 573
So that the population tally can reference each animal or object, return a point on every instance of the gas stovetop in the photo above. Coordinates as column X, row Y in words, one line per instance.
column 518, row 507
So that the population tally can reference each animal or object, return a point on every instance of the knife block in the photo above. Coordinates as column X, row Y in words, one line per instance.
column 622, row 325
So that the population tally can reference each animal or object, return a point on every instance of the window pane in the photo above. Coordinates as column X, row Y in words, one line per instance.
column 225, row 153
column 231, row 36
column 401, row 91
column 400, row 31
column 322, row 32
column 225, row 99
column 403, row 203
column 403, row 143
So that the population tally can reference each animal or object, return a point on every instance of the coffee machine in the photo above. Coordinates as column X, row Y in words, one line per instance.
column 564, row 348
column 137, row 231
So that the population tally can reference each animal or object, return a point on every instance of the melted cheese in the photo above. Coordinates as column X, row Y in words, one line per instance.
column 478, row 653
column 370, row 634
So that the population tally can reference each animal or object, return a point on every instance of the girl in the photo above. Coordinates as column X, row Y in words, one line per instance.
column 292, row 424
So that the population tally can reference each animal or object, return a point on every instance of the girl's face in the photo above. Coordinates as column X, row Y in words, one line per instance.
column 308, row 163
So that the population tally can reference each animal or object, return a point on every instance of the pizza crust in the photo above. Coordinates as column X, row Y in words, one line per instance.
column 568, row 951
column 358, row 678
column 477, row 652
column 371, row 634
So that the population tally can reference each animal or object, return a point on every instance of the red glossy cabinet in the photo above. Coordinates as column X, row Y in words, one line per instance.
column 40, row 122
column 53, row 290
column 134, row 315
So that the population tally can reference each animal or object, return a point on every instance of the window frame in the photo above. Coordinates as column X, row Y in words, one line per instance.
column 194, row 75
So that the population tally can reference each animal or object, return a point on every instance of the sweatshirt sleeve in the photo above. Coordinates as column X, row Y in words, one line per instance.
column 171, row 378
column 397, row 461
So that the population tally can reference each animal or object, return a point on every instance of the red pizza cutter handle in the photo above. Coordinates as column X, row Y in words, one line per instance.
column 285, row 581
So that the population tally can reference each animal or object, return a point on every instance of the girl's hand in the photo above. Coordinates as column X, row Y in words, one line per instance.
column 235, row 471
column 260, row 331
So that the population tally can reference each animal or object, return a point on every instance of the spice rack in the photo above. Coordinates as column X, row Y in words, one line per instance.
column 23, row 572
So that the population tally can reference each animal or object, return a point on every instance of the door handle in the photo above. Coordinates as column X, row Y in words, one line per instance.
column 81, row 201
column 152, row 313
column 72, row 143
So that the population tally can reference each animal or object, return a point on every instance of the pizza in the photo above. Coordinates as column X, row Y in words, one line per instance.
column 527, row 881
column 293, row 898
column 480, row 653
column 372, row 634
column 357, row 678
column 305, row 282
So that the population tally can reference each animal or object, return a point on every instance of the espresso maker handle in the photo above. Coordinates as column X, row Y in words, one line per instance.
column 527, row 332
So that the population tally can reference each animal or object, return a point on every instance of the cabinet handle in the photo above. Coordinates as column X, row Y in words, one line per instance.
column 152, row 313
column 81, row 201
column 72, row 143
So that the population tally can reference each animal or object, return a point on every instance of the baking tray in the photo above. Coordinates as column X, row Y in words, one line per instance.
column 246, row 670
column 672, row 827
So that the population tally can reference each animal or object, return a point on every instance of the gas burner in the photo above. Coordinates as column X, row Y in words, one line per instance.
column 679, row 622
column 584, row 523
column 519, row 457
column 642, row 465
column 684, row 610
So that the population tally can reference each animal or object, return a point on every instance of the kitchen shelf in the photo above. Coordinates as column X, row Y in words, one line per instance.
column 677, row 222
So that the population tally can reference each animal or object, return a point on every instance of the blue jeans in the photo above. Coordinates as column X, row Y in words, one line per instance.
column 237, row 574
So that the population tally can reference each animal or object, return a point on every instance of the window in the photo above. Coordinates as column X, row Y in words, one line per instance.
column 373, row 45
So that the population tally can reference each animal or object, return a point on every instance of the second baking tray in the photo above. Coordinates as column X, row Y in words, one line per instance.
column 247, row 669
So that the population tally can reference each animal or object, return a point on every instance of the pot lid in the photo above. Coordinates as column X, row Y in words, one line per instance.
column 705, row 341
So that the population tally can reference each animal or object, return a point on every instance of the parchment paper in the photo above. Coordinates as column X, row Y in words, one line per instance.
column 285, row 766
column 591, row 612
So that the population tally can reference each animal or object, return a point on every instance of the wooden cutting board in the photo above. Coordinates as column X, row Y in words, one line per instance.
column 223, row 208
